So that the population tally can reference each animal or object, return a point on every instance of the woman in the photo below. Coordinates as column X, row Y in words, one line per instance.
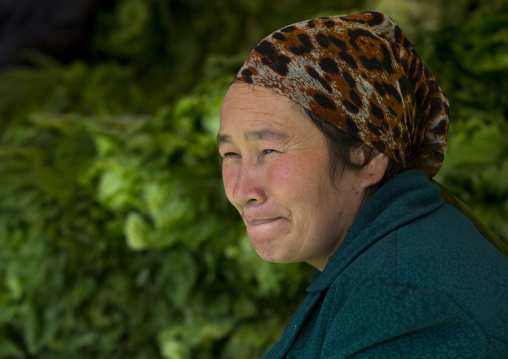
column 330, row 133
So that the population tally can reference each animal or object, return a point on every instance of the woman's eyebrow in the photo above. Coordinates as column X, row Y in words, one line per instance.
column 266, row 134
column 261, row 134
column 223, row 139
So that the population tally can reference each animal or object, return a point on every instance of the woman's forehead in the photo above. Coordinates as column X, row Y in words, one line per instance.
column 247, row 94
column 257, row 113
column 255, row 103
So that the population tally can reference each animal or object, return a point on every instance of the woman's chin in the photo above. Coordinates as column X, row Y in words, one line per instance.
column 272, row 241
column 274, row 256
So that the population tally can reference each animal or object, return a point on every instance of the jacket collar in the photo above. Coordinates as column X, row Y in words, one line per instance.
column 404, row 198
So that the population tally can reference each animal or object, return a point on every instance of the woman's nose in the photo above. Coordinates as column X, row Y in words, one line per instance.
column 248, row 187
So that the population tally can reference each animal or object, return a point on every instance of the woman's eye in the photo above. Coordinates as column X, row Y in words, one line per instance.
column 229, row 154
column 268, row 151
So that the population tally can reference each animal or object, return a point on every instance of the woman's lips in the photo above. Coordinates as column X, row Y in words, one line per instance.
column 257, row 222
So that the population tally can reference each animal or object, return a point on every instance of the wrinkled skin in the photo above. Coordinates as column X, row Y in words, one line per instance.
column 276, row 174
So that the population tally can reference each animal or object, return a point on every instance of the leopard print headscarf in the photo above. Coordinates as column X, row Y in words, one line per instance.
column 360, row 73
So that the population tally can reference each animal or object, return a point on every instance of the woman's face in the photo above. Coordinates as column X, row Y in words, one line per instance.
column 275, row 172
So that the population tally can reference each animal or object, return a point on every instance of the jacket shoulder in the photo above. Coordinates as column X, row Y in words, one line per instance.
column 386, row 321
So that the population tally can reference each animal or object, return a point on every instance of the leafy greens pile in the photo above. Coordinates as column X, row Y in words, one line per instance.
column 116, row 239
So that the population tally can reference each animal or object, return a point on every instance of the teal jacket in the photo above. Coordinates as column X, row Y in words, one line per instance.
column 412, row 279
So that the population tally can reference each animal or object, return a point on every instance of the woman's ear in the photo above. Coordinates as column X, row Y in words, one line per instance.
column 375, row 166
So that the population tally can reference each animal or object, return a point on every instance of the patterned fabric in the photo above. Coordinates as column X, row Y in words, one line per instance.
column 362, row 74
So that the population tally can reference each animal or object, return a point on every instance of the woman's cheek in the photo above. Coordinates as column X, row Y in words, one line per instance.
column 284, row 174
column 229, row 176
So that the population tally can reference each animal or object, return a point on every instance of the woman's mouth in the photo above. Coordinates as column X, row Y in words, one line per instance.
column 260, row 221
